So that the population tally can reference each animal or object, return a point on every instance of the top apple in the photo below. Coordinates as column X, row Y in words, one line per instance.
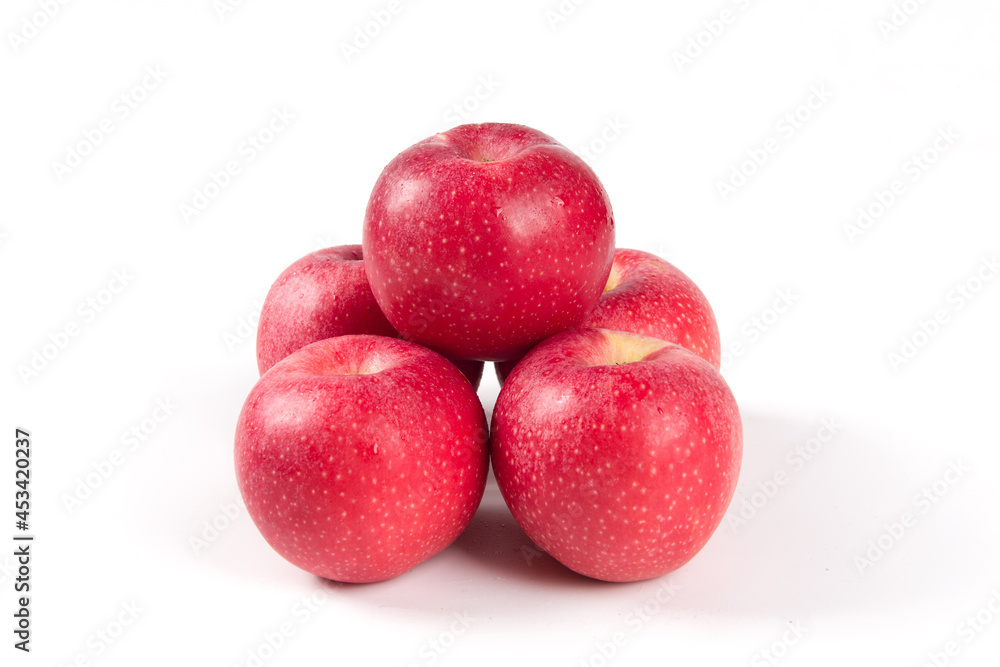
column 483, row 240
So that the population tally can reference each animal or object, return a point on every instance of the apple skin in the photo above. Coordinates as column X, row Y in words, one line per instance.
column 485, row 239
column 649, row 296
column 323, row 295
column 617, row 454
column 359, row 457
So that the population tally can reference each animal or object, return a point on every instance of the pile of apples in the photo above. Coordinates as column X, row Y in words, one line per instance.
column 363, row 450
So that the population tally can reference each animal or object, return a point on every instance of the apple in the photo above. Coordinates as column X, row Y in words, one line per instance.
column 359, row 457
column 323, row 295
column 617, row 454
column 485, row 239
column 650, row 296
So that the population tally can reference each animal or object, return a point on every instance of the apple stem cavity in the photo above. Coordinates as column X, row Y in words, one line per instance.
column 618, row 349
column 614, row 279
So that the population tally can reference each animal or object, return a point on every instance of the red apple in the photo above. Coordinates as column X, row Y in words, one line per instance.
column 650, row 296
column 323, row 295
column 618, row 454
column 360, row 457
column 483, row 240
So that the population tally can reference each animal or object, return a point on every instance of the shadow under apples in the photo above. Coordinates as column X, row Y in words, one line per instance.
column 495, row 541
column 492, row 569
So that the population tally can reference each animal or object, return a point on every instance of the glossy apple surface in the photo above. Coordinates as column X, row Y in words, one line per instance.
column 649, row 296
column 617, row 454
column 359, row 457
column 483, row 240
column 323, row 295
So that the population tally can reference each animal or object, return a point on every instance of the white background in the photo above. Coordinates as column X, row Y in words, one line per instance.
column 662, row 135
